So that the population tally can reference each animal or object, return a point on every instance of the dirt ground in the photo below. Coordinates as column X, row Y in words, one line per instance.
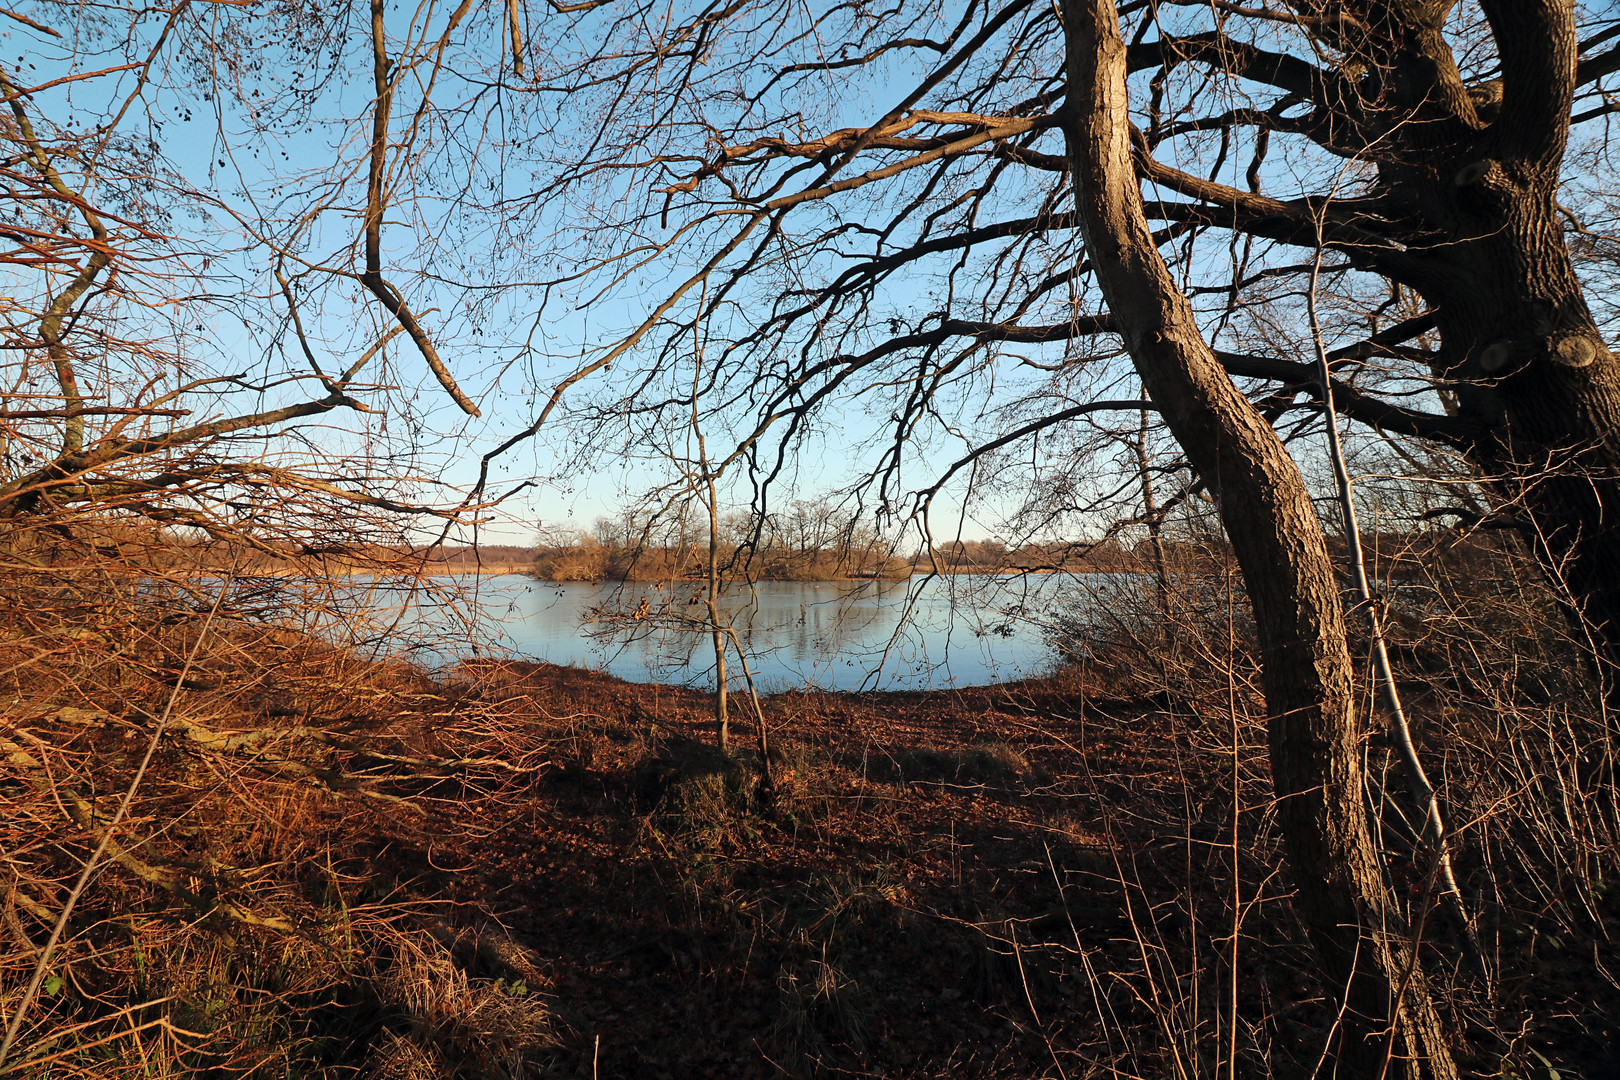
column 970, row 883
column 343, row 869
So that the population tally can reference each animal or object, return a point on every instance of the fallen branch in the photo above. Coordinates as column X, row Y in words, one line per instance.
column 83, row 814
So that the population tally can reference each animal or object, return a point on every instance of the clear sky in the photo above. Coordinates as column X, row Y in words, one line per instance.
column 257, row 150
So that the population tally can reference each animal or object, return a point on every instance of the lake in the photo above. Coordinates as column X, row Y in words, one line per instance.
column 843, row 635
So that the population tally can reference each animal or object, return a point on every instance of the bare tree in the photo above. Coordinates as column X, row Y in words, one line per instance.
column 1390, row 1026
column 169, row 338
column 1455, row 283
column 916, row 264
column 922, row 260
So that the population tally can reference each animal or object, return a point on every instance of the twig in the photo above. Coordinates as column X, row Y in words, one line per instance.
column 1422, row 791
column 106, row 840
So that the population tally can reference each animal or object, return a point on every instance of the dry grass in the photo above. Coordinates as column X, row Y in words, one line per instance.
column 236, row 920
column 340, row 868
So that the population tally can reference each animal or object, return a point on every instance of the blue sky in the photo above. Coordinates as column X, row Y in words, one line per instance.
column 447, row 251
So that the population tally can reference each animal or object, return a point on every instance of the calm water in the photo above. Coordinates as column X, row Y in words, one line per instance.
column 834, row 635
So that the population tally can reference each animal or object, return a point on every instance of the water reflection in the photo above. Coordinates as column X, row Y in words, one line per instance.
column 833, row 635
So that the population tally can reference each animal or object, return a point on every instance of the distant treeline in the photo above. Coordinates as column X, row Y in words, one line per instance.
column 381, row 559
column 590, row 561
column 809, row 542
column 147, row 545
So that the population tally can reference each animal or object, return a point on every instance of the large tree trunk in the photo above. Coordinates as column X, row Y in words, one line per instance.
column 1527, row 356
column 1520, row 349
column 1314, row 737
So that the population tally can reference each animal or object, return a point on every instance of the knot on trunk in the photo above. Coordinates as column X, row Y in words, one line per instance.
column 1575, row 350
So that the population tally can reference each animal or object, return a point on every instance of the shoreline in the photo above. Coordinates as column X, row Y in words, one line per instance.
column 1060, row 677
column 524, row 570
column 1009, row 572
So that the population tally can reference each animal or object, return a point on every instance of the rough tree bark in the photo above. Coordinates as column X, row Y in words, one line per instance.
column 1389, row 1025
column 1516, row 328
column 1472, row 191
column 1465, row 212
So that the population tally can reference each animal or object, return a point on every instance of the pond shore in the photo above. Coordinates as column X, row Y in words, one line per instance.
column 566, row 867
column 854, row 914
column 548, row 866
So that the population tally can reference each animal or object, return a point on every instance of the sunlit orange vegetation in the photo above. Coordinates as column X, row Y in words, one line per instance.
column 587, row 560
column 805, row 547
column 201, row 802
column 235, row 850
column 132, row 541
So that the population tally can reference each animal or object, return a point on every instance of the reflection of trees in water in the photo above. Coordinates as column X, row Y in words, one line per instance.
column 665, row 626
column 960, row 630
column 912, row 631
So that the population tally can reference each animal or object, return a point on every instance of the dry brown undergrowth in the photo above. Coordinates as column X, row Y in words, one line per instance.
column 234, row 921
column 339, row 868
